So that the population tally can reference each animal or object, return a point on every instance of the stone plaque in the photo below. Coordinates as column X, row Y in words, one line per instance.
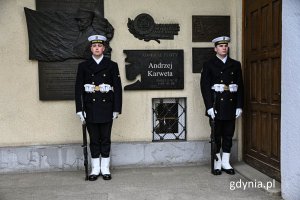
column 206, row 28
column 57, row 80
column 154, row 69
column 200, row 55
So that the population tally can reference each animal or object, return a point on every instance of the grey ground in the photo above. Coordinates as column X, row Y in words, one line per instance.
column 164, row 183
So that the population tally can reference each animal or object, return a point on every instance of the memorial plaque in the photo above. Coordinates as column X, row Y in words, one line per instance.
column 206, row 28
column 154, row 69
column 57, row 80
column 144, row 28
column 200, row 55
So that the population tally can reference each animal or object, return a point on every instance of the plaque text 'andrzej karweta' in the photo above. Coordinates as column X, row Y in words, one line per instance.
column 154, row 69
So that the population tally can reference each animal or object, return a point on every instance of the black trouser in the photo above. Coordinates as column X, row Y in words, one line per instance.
column 99, row 139
column 224, row 130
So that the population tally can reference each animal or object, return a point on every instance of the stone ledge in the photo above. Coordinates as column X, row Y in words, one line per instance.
column 126, row 154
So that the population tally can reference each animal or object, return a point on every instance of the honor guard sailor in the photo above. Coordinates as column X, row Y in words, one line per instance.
column 98, row 88
column 222, row 76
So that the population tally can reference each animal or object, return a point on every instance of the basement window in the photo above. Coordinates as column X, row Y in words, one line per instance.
column 169, row 119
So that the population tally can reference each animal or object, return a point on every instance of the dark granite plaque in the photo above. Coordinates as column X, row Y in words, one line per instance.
column 200, row 55
column 206, row 28
column 154, row 69
column 57, row 80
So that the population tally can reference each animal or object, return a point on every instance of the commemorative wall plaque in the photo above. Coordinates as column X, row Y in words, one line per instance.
column 144, row 28
column 200, row 55
column 57, row 33
column 206, row 28
column 56, row 80
column 154, row 69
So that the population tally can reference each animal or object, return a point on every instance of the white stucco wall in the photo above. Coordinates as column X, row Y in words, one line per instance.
column 290, row 106
column 25, row 120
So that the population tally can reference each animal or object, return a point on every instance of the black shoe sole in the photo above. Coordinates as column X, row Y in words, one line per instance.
column 229, row 171
column 216, row 172
column 93, row 177
column 106, row 177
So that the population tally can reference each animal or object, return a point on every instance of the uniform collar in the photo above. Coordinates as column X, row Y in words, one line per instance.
column 95, row 67
column 222, row 59
column 98, row 60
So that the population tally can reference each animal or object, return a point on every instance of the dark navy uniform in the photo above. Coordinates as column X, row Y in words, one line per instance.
column 99, row 107
column 213, row 72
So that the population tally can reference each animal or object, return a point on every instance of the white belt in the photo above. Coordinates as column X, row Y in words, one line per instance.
column 218, row 87
column 223, row 87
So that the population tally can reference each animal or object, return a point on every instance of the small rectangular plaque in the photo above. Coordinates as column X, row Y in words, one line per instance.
column 154, row 69
column 57, row 80
column 206, row 28
column 200, row 55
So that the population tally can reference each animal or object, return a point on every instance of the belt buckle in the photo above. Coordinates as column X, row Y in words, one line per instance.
column 97, row 88
column 226, row 88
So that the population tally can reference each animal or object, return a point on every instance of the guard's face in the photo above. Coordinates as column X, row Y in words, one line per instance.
column 97, row 49
column 221, row 49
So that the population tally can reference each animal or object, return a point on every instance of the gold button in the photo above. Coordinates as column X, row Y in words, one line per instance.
column 231, row 81
column 232, row 73
column 92, row 74
column 221, row 72
column 93, row 83
column 104, row 75
column 94, row 99
column 221, row 99
column 221, row 81
column 103, row 100
column 230, row 99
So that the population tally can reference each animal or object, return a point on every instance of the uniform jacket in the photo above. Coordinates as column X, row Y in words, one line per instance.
column 215, row 71
column 98, row 106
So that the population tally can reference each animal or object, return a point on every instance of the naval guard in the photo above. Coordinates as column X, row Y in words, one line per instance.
column 222, row 76
column 98, row 88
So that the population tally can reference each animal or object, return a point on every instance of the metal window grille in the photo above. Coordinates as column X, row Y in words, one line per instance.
column 169, row 119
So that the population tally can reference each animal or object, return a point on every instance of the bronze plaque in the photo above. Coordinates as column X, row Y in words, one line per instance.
column 154, row 69
column 206, row 28
column 57, row 80
column 144, row 28
column 200, row 55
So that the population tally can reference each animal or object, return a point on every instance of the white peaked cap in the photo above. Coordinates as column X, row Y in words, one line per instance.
column 221, row 40
column 97, row 38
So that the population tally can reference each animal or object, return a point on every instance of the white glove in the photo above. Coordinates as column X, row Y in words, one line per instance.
column 81, row 116
column 233, row 87
column 238, row 112
column 89, row 88
column 219, row 87
column 211, row 113
column 115, row 115
column 104, row 87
